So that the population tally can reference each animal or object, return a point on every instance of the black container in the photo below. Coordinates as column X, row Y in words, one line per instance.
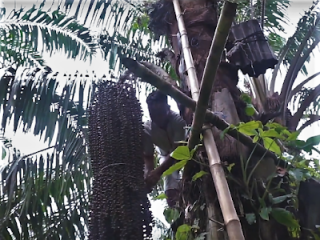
column 250, row 50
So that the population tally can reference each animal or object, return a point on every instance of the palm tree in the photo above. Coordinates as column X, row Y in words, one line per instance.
column 25, row 35
column 61, row 111
column 44, row 194
column 55, row 203
column 199, row 27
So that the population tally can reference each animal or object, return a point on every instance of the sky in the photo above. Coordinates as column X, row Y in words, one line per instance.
column 27, row 143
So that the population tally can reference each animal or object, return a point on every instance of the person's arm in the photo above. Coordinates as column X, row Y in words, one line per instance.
column 149, row 162
column 165, row 165
column 148, row 151
column 154, row 176
column 179, row 135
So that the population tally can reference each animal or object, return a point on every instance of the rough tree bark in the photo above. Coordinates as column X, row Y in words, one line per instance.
column 200, row 18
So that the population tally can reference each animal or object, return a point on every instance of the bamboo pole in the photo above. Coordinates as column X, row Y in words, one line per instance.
column 227, row 207
column 213, row 61
column 150, row 77
column 191, row 70
column 229, row 213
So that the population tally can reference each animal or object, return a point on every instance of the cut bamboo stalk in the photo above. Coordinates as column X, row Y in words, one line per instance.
column 229, row 213
column 227, row 207
column 213, row 61
column 192, row 75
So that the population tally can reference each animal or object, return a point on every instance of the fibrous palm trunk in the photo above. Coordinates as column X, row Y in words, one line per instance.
column 200, row 18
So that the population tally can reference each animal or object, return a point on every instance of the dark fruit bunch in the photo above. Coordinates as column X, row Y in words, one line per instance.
column 120, row 209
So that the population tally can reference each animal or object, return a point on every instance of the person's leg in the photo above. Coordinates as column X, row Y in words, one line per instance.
column 171, row 187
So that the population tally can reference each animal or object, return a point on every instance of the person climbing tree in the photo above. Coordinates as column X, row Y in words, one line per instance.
column 164, row 130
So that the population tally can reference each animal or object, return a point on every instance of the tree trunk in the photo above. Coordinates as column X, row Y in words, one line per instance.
column 200, row 18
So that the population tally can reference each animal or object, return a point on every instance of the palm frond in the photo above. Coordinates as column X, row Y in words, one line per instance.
column 41, row 198
column 298, row 88
column 48, row 193
column 275, row 15
column 312, row 119
column 299, row 43
column 22, row 56
column 46, row 31
column 102, row 12
column 31, row 96
column 312, row 97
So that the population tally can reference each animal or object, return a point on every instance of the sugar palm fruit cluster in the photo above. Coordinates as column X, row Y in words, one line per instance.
column 119, row 207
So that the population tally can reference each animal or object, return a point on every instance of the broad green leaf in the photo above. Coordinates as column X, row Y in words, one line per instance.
column 312, row 141
column 198, row 175
column 299, row 144
column 251, row 218
column 297, row 174
column 271, row 133
column 160, row 196
column 170, row 214
column 181, row 153
column 271, row 145
column 276, row 200
column 246, row 98
column 249, row 128
column 274, row 125
column 175, row 167
column 183, row 232
column 250, row 110
column 284, row 217
column 264, row 213
column 255, row 139
column 293, row 136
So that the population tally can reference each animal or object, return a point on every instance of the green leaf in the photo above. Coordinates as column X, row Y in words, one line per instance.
column 246, row 98
column 284, row 217
column 249, row 128
column 175, row 167
column 297, row 174
column 181, row 153
column 274, row 125
column 160, row 196
column 230, row 166
column 183, row 232
column 255, row 139
column 280, row 199
column 271, row 133
column 312, row 141
column 264, row 213
column 4, row 153
column 250, row 110
column 198, row 175
column 271, row 145
column 171, row 214
column 293, row 136
column 251, row 218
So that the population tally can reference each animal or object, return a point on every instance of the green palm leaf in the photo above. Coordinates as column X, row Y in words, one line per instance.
column 45, row 31
column 43, row 200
